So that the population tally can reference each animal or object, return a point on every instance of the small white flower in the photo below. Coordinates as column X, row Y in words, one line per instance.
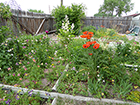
column 103, row 80
column 32, row 51
column 65, row 45
column 11, row 54
column 98, row 75
column 72, row 26
column 136, row 69
column 17, row 40
column 0, row 68
column 60, row 57
column 99, row 79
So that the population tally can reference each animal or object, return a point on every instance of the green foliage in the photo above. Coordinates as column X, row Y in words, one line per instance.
column 134, row 96
column 11, row 52
column 9, row 97
column 89, row 28
column 101, row 32
column 4, row 33
column 5, row 11
column 116, row 6
column 102, row 15
column 75, row 13
column 36, row 11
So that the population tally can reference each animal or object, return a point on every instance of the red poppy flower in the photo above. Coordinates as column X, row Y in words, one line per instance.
column 86, row 45
column 86, row 32
column 90, row 53
column 88, row 37
column 96, row 46
column 90, row 33
column 102, row 26
column 90, row 43
column 93, row 42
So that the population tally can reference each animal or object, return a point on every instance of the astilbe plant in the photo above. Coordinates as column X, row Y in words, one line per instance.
column 66, row 31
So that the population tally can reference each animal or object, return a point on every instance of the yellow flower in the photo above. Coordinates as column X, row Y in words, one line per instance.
column 102, row 94
column 125, row 54
column 52, row 64
column 19, row 62
column 112, row 80
column 29, row 98
column 135, row 87
column 49, row 57
column 66, row 74
column 115, row 65
column 41, row 63
column 19, row 91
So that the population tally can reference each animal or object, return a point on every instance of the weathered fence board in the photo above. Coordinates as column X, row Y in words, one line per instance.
column 31, row 22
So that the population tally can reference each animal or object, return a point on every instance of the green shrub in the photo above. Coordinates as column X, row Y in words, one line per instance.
column 5, row 11
column 74, row 13
column 89, row 28
column 4, row 33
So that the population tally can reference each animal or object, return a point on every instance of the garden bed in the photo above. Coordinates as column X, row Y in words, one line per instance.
column 39, row 63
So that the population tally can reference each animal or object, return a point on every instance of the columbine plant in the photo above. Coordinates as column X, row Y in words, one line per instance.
column 66, row 32
column 91, row 53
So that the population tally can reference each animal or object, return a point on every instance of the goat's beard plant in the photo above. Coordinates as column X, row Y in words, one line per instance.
column 66, row 32
column 91, row 53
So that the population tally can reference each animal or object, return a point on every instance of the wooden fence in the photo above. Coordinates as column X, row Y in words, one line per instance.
column 35, row 23
column 29, row 22
column 119, row 23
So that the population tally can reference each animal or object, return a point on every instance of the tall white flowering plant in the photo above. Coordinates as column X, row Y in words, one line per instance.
column 66, row 31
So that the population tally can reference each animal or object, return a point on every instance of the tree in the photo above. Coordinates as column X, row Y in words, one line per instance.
column 36, row 11
column 61, row 2
column 102, row 15
column 116, row 7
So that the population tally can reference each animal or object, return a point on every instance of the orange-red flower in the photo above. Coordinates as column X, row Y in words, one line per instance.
column 90, row 53
column 82, row 36
column 102, row 26
column 86, row 32
column 90, row 33
column 93, row 42
column 96, row 45
column 90, row 43
column 86, row 45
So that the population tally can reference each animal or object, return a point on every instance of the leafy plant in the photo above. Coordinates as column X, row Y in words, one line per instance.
column 5, row 11
column 74, row 12
column 66, row 32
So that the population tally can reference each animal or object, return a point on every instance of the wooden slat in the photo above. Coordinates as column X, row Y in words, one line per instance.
column 22, row 25
column 40, row 26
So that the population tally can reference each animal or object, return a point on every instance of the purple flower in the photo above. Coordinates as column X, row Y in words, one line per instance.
column 17, row 64
column 45, row 63
column 30, row 92
column 73, row 68
column 7, row 102
column 24, row 46
column 47, row 94
column 27, row 40
column 29, row 53
column 13, row 74
column 17, row 97
column 46, row 31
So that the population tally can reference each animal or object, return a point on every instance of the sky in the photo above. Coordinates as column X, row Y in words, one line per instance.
column 47, row 5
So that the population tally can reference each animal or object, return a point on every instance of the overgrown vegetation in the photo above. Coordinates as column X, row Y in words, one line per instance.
column 74, row 12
